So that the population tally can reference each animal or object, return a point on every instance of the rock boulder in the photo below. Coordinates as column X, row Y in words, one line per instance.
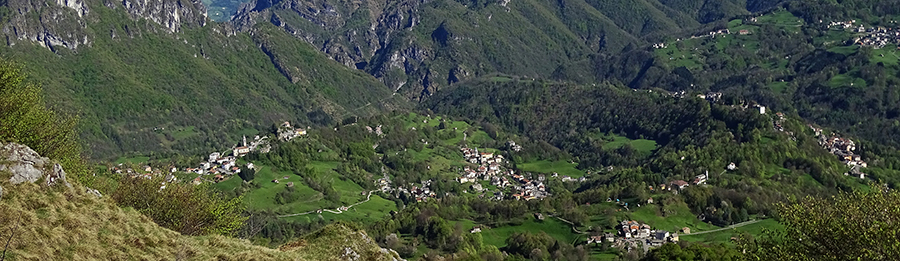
column 26, row 165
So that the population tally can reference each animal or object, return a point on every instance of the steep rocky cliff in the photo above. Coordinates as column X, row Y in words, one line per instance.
column 64, row 23
column 417, row 46
column 49, row 24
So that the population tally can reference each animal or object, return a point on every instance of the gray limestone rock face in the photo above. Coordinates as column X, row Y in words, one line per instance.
column 94, row 192
column 57, row 176
column 24, row 163
column 1, row 192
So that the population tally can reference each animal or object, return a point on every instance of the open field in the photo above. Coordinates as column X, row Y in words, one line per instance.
column 184, row 132
column 677, row 217
column 724, row 236
column 845, row 80
column 778, row 87
column 845, row 50
column 133, row 160
column 889, row 55
column 377, row 208
column 641, row 145
column 555, row 228
column 782, row 18
column 545, row 166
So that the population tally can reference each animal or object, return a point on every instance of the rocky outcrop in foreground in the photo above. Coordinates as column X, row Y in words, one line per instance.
column 26, row 165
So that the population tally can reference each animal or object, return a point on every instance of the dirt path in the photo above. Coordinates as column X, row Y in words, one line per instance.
column 336, row 211
column 724, row 228
column 570, row 223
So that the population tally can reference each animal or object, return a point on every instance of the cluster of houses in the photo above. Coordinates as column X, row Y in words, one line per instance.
column 420, row 193
column 489, row 165
column 631, row 232
column 483, row 158
column 677, row 185
column 779, row 120
column 384, row 184
column 146, row 172
column 529, row 189
column 490, row 169
column 634, row 229
column 711, row 96
column 218, row 165
column 720, row 32
column 260, row 144
column 841, row 24
column 877, row 37
column 565, row 178
column 287, row 132
column 681, row 184
column 221, row 165
column 377, row 130
column 513, row 146
column 841, row 147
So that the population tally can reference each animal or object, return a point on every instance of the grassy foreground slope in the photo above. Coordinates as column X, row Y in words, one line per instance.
column 61, row 223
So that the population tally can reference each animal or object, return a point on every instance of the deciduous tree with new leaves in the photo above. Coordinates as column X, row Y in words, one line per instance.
column 852, row 226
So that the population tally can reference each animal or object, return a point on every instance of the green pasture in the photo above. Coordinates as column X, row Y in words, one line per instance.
column 563, row 168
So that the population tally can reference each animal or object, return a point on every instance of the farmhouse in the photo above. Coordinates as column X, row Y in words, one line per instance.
column 680, row 184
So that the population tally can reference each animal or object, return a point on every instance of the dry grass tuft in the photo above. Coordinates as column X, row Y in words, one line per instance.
column 293, row 245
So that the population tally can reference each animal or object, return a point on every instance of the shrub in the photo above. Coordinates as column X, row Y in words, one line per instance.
column 25, row 119
column 186, row 208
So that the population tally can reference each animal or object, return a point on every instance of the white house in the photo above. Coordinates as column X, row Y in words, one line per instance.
column 241, row 151
column 213, row 156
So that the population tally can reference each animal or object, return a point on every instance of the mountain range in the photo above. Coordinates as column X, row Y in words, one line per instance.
column 698, row 113
column 162, row 76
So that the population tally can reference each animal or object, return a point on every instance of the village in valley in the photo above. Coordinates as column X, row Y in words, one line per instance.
column 222, row 167
column 218, row 166
column 844, row 149
column 876, row 37
column 487, row 173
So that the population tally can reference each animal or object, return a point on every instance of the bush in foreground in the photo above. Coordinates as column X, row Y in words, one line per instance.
column 186, row 208
column 852, row 226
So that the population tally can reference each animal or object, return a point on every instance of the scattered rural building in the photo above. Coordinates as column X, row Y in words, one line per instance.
column 287, row 132
column 680, row 184
column 701, row 179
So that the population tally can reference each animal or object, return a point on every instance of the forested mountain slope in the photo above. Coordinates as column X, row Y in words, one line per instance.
column 418, row 47
column 159, row 76
column 800, row 59
column 693, row 136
